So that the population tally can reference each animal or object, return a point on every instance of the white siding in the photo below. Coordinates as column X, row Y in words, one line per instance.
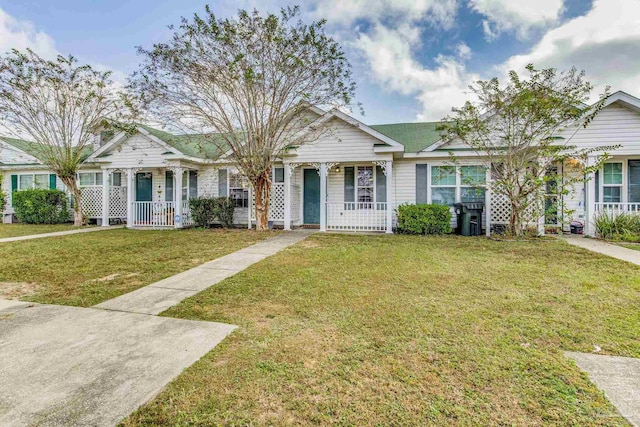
column 404, row 181
column 614, row 125
column 11, row 155
column 342, row 143
column 138, row 151
column 208, row 182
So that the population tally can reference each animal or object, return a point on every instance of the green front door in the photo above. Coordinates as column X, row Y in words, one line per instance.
column 311, row 197
column 144, row 187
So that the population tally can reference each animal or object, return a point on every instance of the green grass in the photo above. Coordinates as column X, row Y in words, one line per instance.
column 402, row 330
column 630, row 246
column 86, row 269
column 15, row 230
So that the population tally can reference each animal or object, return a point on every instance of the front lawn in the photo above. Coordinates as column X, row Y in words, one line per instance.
column 401, row 330
column 88, row 268
column 15, row 230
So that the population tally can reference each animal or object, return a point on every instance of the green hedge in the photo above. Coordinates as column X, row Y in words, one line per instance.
column 208, row 211
column 3, row 200
column 41, row 206
column 424, row 219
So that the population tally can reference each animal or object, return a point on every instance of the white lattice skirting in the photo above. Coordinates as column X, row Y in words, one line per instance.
column 92, row 201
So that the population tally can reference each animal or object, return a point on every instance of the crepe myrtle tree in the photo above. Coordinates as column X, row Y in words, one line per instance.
column 522, row 131
column 58, row 105
column 245, row 83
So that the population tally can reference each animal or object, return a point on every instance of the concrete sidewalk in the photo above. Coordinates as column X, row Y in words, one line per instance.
column 72, row 366
column 58, row 233
column 604, row 248
column 618, row 377
column 160, row 296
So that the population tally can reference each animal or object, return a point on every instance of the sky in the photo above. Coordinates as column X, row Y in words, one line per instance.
column 413, row 60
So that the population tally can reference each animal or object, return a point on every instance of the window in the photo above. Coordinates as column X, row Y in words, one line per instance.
column 189, row 185
column 443, row 185
column 90, row 178
column 365, row 187
column 471, row 178
column 612, row 183
column 238, row 191
column 29, row 181
column 116, row 179
column 278, row 175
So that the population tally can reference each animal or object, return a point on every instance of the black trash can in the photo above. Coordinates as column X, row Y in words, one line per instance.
column 469, row 216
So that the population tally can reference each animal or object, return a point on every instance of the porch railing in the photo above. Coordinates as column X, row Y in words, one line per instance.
column 153, row 214
column 187, row 220
column 617, row 208
column 356, row 216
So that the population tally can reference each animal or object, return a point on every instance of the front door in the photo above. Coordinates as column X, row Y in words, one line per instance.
column 144, row 187
column 311, row 197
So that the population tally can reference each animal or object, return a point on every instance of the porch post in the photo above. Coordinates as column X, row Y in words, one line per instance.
column 487, row 204
column 177, row 188
column 590, row 202
column 287, row 197
column 106, row 175
column 130, row 184
column 323, row 197
column 389, row 169
column 251, row 209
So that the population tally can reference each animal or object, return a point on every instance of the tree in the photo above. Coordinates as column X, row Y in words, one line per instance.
column 246, row 83
column 58, row 105
column 522, row 131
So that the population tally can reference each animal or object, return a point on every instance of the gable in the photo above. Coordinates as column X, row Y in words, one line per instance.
column 339, row 141
column 136, row 151
column 10, row 155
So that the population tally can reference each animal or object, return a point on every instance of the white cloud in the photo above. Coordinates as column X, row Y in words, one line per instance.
column 518, row 16
column 15, row 34
column 604, row 43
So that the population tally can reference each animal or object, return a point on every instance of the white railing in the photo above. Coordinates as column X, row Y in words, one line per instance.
column 357, row 216
column 187, row 220
column 153, row 214
column 617, row 208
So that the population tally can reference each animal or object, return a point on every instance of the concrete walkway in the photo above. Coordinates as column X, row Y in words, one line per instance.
column 618, row 377
column 58, row 233
column 72, row 366
column 604, row 248
column 160, row 296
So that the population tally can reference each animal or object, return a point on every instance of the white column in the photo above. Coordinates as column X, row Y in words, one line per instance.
column 323, row 197
column 542, row 220
column 389, row 170
column 177, row 188
column 590, row 201
column 130, row 183
column 250, row 209
column 287, row 196
column 106, row 174
column 487, row 204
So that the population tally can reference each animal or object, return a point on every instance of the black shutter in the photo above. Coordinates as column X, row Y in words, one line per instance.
column 422, row 177
column 381, row 186
column 634, row 181
column 223, row 190
column 349, row 187
column 168, row 186
column 597, row 179
column 193, row 184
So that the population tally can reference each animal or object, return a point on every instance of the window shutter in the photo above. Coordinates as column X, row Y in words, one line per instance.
column 349, row 187
column 381, row 186
column 14, row 183
column 52, row 181
column 597, row 178
column 168, row 186
column 634, row 181
column 422, row 182
column 223, row 190
column 193, row 184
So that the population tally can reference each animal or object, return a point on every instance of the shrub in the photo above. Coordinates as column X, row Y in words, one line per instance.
column 207, row 211
column 3, row 200
column 424, row 219
column 41, row 206
column 623, row 226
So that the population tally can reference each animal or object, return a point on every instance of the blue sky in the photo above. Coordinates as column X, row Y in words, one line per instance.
column 413, row 59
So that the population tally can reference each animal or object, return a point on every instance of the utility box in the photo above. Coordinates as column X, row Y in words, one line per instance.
column 469, row 217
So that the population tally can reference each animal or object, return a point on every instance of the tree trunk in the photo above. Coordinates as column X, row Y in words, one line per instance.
column 262, row 193
column 72, row 185
column 515, row 223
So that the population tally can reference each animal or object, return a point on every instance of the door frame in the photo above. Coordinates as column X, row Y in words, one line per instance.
column 302, row 221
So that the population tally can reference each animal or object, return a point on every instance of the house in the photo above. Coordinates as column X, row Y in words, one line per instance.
column 349, row 179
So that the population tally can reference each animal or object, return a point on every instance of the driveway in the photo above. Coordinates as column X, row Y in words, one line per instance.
column 90, row 367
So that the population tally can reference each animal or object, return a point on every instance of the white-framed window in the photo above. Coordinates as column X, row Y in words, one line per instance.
column 612, row 182
column 31, row 181
column 365, row 187
column 472, row 178
column 189, row 185
column 443, row 185
column 238, row 190
column 87, row 179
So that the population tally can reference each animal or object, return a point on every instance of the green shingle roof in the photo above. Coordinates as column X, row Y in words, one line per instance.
column 414, row 136
column 34, row 149
column 204, row 146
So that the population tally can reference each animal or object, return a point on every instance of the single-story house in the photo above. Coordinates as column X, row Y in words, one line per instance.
column 349, row 179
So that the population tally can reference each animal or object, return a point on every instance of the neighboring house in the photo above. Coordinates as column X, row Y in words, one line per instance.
column 350, row 179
